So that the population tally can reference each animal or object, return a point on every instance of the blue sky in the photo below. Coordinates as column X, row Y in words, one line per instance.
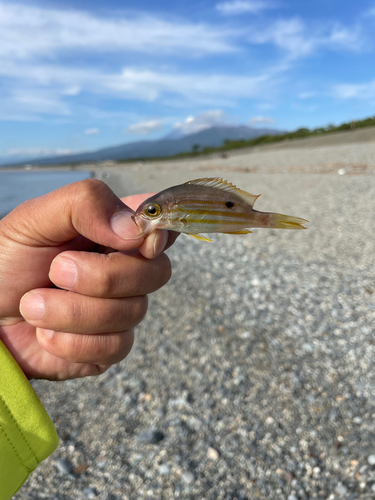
column 84, row 74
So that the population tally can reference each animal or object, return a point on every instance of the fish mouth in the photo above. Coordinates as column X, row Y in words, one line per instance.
column 134, row 220
column 141, row 223
column 139, row 226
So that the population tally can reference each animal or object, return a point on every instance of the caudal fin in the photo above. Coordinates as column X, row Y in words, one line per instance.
column 281, row 221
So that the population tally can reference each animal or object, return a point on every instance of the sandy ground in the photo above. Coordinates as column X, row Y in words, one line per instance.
column 252, row 376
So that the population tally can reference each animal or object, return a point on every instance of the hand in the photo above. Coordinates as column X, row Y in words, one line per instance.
column 74, row 274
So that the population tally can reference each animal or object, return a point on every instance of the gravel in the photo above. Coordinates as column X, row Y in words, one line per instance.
column 252, row 374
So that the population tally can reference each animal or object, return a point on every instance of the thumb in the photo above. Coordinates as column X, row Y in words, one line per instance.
column 88, row 208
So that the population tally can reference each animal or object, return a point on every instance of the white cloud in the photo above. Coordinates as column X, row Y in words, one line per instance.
column 29, row 31
column 42, row 93
column 350, row 39
column 286, row 34
column 30, row 102
column 92, row 131
column 236, row 7
column 205, row 120
column 41, row 77
column 257, row 120
column 150, row 85
column 36, row 41
column 294, row 37
column 144, row 128
column 361, row 91
column 74, row 90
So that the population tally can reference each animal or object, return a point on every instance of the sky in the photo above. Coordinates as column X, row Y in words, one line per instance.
column 78, row 75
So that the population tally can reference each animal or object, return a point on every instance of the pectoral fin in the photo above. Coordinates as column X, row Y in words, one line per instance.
column 198, row 237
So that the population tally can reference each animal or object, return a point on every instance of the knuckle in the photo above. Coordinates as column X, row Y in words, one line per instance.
column 116, row 347
column 121, row 314
column 89, row 348
column 104, row 348
column 165, row 268
column 74, row 311
column 139, row 309
column 90, row 189
column 111, row 348
column 106, row 284
column 101, row 347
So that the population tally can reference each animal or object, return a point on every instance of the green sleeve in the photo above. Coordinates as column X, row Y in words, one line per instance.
column 27, row 434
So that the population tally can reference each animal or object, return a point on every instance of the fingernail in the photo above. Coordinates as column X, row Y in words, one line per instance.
column 123, row 225
column 161, row 238
column 64, row 272
column 48, row 334
column 32, row 306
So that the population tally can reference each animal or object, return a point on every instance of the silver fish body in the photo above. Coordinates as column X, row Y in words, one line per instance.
column 208, row 205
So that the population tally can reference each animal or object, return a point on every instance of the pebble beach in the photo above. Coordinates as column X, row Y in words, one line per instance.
column 252, row 376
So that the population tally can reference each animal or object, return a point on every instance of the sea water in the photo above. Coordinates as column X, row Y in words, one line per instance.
column 19, row 186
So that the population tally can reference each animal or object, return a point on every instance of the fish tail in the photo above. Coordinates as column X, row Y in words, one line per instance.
column 281, row 221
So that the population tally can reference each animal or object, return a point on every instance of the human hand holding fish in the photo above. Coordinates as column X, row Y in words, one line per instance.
column 208, row 205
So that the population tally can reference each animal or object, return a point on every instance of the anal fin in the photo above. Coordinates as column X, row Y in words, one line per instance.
column 198, row 237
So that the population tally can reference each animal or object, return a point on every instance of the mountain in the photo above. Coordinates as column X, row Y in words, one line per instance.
column 210, row 137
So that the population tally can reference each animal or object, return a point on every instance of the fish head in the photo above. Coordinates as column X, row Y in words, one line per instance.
column 152, row 214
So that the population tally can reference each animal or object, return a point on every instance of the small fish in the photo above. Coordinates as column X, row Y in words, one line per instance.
column 207, row 206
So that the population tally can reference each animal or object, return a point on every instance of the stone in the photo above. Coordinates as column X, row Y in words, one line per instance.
column 212, row 454
column 63, row 466
column 188, row 477
column 341, row 490
column 152, row 436
column 164, row 469
column 89, row 493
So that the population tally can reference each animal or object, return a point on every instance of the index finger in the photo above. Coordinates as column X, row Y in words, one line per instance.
column 88, row 208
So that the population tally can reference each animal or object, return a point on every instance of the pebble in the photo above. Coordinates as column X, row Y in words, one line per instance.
column 188, row 477
column 152, row 436
column 194, row 423
column 371, row 459
column 64, row 466
column 269, row 421
column 341, row 490
column 89, row 493
column 212, row 454
column 164, row 469
column 181, row 401
column 308, row 347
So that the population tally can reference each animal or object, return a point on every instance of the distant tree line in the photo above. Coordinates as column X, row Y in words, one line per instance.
column 268, row 139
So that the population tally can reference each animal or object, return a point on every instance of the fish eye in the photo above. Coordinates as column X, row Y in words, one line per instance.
column 153, row 210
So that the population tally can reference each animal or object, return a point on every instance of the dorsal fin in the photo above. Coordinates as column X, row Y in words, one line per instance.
column 218, row 183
